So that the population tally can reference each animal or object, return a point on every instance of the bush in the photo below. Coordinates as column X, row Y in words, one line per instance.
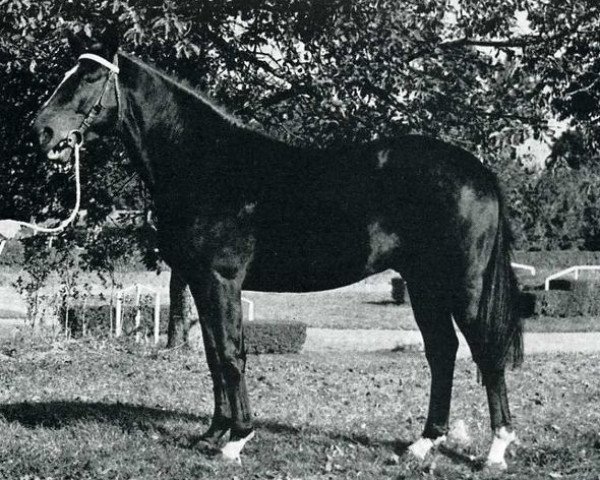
column 261, row 337
column 399, row 290
column 575, row 298
column 282, row 337
column 12, row 255
column 97, row 319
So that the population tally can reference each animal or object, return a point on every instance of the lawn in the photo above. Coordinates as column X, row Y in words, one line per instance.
column 87, row 410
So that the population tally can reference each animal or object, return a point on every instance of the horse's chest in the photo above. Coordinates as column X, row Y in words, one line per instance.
column 206, row 240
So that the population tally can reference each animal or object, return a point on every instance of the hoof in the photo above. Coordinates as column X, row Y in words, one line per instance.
column 230, row 453
column 209, row 441
column 206, row 446
column 492, row 466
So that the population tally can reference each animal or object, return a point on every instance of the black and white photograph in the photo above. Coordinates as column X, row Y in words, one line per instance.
column 299, row 240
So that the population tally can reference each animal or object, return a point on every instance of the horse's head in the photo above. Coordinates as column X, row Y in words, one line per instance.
column 86, row 101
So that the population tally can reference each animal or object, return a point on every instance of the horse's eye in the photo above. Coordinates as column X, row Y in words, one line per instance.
column 91, row 78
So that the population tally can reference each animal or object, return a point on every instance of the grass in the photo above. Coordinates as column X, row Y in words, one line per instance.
column 99, row 410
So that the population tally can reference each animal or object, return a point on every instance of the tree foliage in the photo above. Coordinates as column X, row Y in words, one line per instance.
column 485, row 74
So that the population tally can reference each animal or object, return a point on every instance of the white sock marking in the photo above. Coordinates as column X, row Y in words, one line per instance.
column 423, row 445
column 231, row 450
column 502, row 439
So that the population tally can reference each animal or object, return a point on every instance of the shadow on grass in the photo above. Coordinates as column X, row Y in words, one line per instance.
column 383, row 303
column 129, row 417
column 58, row 414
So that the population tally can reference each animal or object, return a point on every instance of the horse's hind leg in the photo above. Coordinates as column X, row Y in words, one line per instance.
column 441, row 344
column 493, row 378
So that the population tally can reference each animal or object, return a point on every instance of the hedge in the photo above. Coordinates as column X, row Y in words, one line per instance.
column 280, row 337
column 568, row 299
column 97, row 319
column 260, row 337
column 399, row 290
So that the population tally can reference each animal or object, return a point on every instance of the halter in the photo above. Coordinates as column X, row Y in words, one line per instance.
column 75, row 140
column 98, row 106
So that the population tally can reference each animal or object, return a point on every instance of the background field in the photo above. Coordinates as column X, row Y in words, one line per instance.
column 367, row 304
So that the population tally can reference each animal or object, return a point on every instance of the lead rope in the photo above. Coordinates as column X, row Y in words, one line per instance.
column 13, row 226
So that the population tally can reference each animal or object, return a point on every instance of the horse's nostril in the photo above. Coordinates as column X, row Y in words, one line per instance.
column 46, row 135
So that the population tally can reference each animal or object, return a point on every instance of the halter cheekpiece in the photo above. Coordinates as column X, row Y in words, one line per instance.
column 98, row 106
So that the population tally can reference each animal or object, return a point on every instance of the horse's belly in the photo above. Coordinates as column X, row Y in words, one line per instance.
column 295, row 260
column 326, row 256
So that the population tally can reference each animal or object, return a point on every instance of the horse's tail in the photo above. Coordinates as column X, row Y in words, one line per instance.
column 498, row 317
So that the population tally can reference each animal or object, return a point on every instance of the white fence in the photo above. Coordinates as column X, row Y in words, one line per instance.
column 529, row 268
column 574, row 270
column 250, row 304
column 138, row 311
column 139, row 289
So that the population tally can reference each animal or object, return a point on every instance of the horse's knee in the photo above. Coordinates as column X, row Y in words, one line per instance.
column 233, row 368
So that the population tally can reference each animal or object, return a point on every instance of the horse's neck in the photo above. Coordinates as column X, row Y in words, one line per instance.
column 166, row 130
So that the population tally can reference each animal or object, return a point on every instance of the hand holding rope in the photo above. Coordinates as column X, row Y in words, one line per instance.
column 16, row 229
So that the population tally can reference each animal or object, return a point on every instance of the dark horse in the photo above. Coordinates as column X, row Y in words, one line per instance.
column 237, row 208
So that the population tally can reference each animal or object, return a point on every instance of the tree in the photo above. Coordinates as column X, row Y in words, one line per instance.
column 483, row 74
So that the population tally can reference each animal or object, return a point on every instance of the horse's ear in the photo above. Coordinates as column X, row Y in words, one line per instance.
column 110, row 39
column 76, row 43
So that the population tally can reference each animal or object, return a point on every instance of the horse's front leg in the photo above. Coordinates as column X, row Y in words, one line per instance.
column 221, row 307
column 221, row 419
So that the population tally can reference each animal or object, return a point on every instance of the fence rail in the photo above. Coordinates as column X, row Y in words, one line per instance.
column 575, row 270
column 529, row 268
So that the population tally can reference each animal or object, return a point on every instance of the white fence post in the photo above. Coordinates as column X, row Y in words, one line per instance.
column 156, row 318
column 118, row 314
column 2, row 243
column 138, row 313
column 250, row 308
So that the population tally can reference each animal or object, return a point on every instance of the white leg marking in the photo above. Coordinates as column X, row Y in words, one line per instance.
column 422, row 446
column 502, row 439
column 231, row 451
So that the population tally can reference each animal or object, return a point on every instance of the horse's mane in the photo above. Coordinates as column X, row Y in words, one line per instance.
column 185, row 86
